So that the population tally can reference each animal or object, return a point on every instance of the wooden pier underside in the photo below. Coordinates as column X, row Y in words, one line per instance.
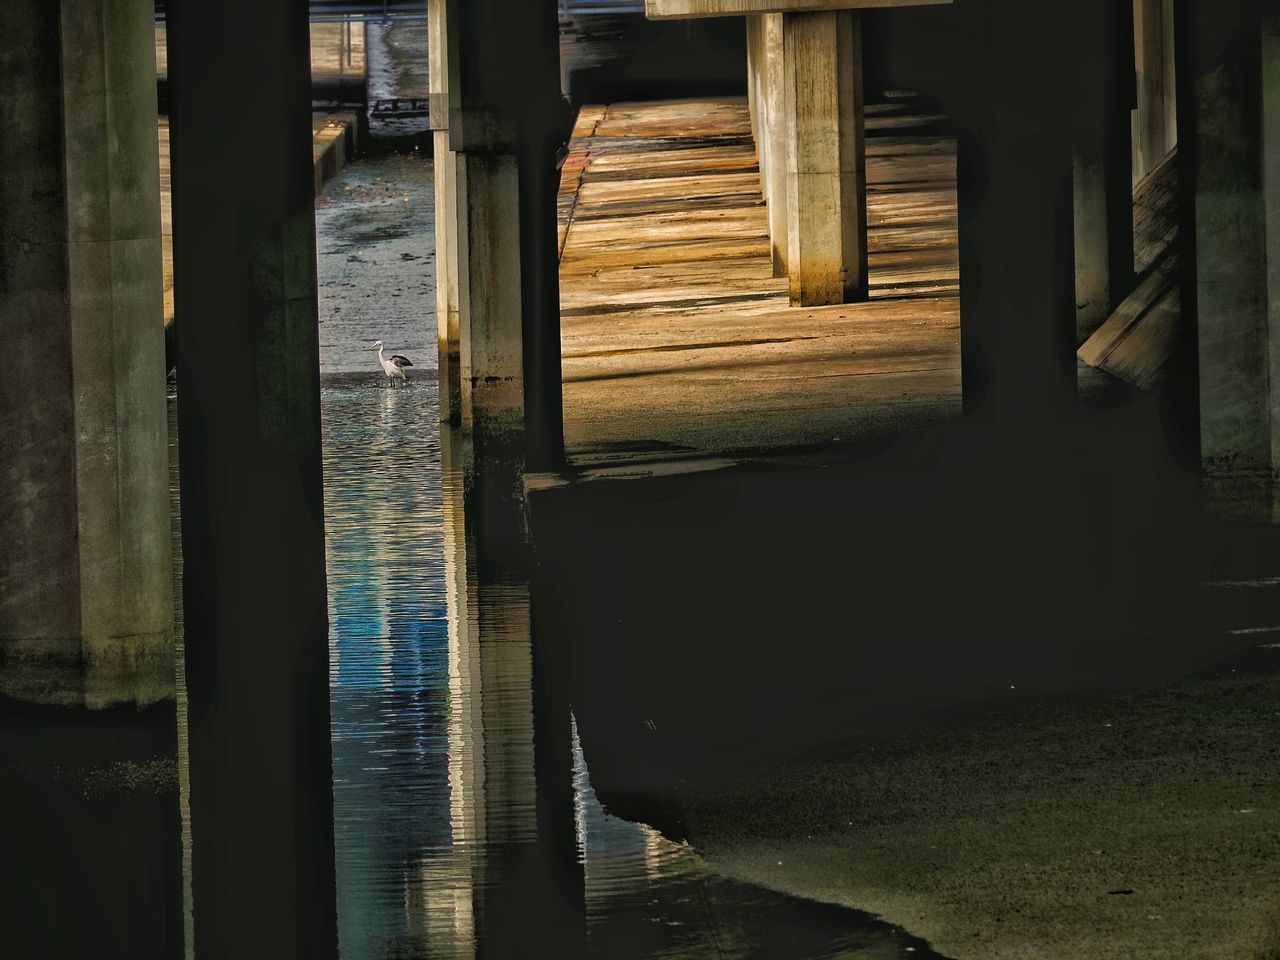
column 678, row 341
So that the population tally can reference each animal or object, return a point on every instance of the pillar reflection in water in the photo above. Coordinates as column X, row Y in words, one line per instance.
column 510, row 882
column 439, row 792
column 465, row 821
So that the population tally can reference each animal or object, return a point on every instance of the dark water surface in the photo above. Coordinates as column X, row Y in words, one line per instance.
column 441, row 773
column 433, row 734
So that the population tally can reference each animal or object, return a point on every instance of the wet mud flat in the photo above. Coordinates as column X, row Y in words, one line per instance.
column 1144, row 824
column 398, row 67
column 885, row 681
column 375, row 236
column 433, row 721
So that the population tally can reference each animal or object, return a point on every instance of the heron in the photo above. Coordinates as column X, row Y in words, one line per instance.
column 393, row 366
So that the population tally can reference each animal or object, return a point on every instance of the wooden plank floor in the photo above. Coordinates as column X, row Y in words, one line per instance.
column 678, row 342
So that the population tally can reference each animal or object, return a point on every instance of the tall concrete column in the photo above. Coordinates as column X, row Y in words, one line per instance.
column 826, row 158
column 755, row 69
column 1155, row 121
column 86, row 611
column 774, row 129
column 1233, row 109
column 491, row 340
column 1100, row 97
column 449, row 261
column 1017, row 323
column 504, row 122
column 256, row 616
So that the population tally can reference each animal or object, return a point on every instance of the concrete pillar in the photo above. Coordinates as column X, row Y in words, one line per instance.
column 491, row 341
column 1155, row 121
column 504, row 122
column 774, row 112
column 86, row 611
column 449, row 262
column 1100, row 98
column 1017, row 322
column 1233, row 131
column 755, row 69
column 256, row 616
column 826, row 158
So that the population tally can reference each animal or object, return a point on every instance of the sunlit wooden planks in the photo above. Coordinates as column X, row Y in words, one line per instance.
column 677, row 339
column 688, row 9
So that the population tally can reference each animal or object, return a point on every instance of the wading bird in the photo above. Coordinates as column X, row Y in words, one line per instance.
column 393, row 366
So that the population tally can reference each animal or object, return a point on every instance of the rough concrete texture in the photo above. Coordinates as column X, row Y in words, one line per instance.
column 1137, row 825
column 85, row 601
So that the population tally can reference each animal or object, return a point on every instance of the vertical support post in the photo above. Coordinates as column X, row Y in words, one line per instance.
column 1017, row 329
column 504, row 121
column 1271, row 227
column 755, row 69
column 256, row 620
column 449, row 261
column 86, row 612
column 774, row 113
column 1155, row 122
column 1102, row 164
column 1234, row 108
column 826, row 158
column 490, row 336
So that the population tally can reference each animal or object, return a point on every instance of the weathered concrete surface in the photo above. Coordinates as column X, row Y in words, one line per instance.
column 680, row 342
column 1233, row 102
column 1096, row 109
column 256, row 615
column 85, row 599
column 450, row 259
column 1139, row 340
column 333, row 146
column 1155, row 121
column 1136, row 825
column 505, row 125
column 826, row 158
column 774, row 111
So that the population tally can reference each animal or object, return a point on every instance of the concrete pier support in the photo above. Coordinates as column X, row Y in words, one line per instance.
column 1101, row 100
column 774, row 109
column 86, row 612
column 1232, row 132
column 491, row 341
column 450, row 264
column 755, row 68
column 505, row 125
column 826, row 158
column 767, row 83
column 256, row 616
column 1014, row 172
column 1155, row 121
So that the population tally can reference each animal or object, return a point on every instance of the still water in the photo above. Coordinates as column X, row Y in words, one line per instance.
column 433, row 735
column 447, row 786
